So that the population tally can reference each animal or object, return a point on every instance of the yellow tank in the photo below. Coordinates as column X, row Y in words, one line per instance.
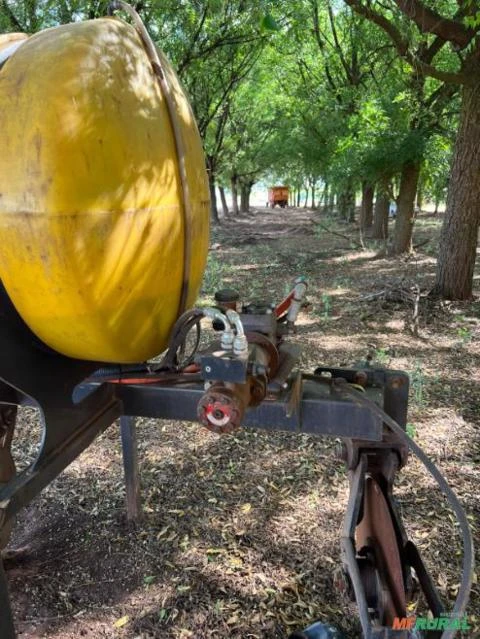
column 92, row 217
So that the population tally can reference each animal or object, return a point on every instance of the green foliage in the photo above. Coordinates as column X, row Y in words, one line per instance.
column 302, row 92
column 417, row 380
column 465, row 335
column 381, row 356
column 216, row 274
column 269, row 23
column 411, row 430
column 327, row 305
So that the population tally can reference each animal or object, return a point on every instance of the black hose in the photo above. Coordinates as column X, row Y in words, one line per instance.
column 181, row 329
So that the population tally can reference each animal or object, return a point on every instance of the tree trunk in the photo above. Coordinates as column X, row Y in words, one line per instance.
column 325, row 197
column 233, row 181
column 223, row 200
column 346, row 203
column 351, row 206
column 248, row 193
column 298, row 198
column 313, row 195
column 331, row 200
column 305, row 204
column 366, row 214
column 458, row 239
column 244, row 199
column 380, row 217
column 213, row 198
column 402, row 239
column 343, row 204
column 420, row 195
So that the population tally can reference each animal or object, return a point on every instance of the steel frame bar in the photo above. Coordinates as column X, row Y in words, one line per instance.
column 320, row 411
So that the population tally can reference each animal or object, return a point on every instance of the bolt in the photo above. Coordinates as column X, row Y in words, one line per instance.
column 208, row 369
column 361, row 378
column 396, row 382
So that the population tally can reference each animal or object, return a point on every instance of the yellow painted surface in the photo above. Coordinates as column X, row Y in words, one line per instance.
column 7, row 39
column 91, row 211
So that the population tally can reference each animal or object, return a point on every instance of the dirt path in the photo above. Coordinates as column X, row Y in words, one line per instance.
column 240, row 536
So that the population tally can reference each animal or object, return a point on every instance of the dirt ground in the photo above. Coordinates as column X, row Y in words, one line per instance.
column 240, row 534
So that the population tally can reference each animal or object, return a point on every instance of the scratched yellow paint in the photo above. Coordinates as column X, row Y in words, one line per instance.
column 91, row 222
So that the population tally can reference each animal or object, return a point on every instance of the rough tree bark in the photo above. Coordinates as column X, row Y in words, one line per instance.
column 380, row 216
column 366, row 213
column 223, row 200
column 402, row 238
column 458, row 240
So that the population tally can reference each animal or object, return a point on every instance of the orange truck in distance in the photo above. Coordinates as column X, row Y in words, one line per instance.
column 278, row 195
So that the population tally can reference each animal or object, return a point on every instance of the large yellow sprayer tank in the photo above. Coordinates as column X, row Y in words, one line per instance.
column 99, row 248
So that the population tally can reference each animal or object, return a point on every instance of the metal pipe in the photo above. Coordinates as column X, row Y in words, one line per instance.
column 240, row 343
column 227, row 334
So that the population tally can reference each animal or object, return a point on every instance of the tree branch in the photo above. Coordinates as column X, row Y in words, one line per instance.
column 429, row 21
column 428, row 69
column 420, row 65
column 346, row 68
column 433, row 49
column 11, row 16
column 390, row 29
column 193, row 43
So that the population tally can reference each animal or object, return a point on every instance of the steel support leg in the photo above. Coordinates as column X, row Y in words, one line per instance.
column 7, row 629
column 8, row 415
column 128, row 431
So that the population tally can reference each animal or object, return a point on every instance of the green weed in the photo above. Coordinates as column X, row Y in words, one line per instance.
column 215, row 274
column 326, row 305
column 417, row 379
column 411, row 430
column 465, row 335
column 381, row 356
